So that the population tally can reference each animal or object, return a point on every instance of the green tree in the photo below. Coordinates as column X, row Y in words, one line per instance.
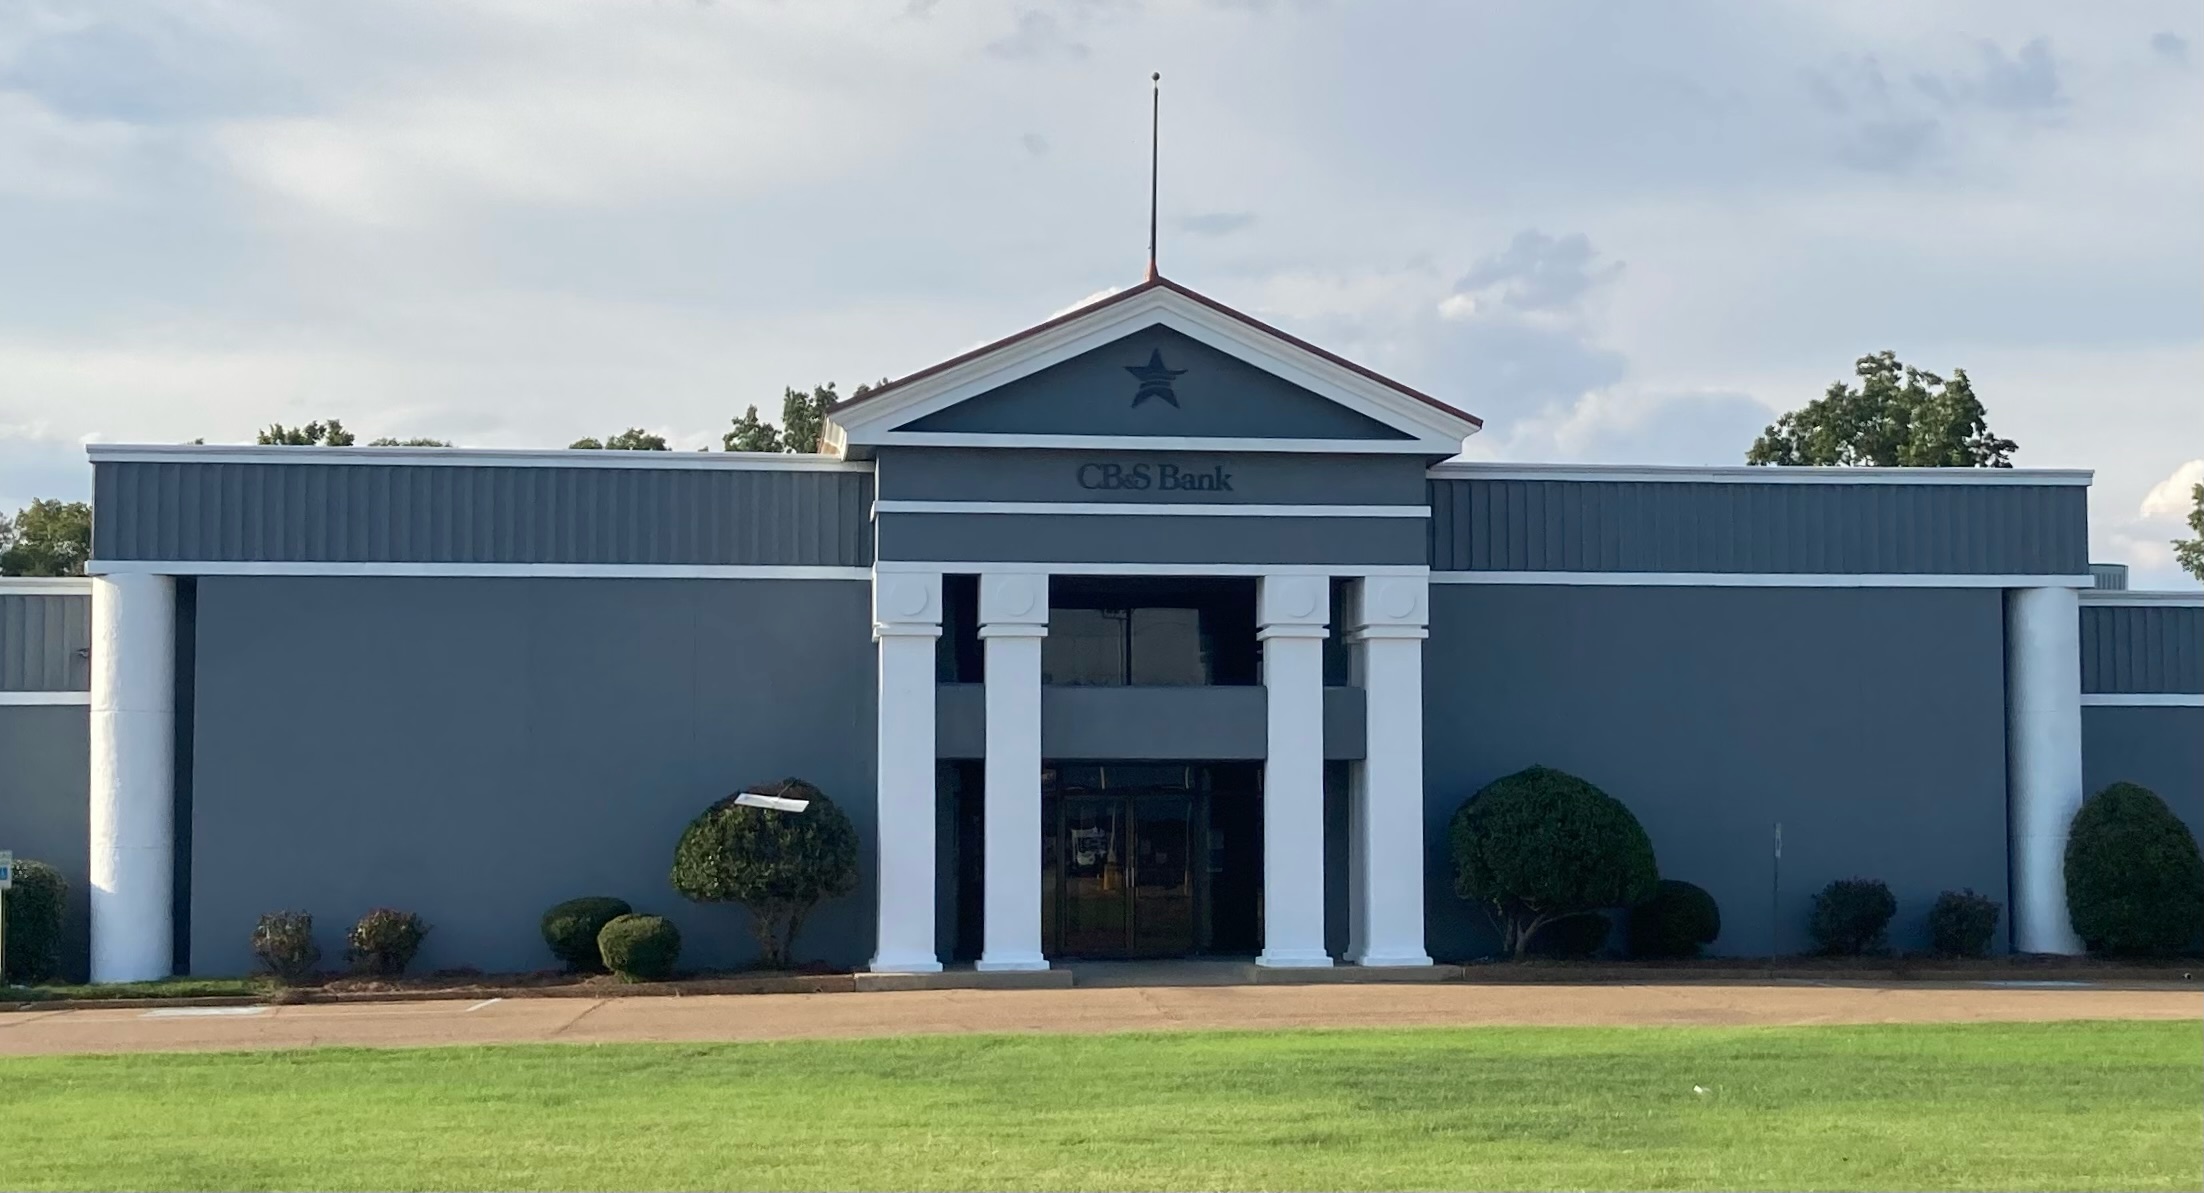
column 803, row 417
column 386, row 441
column 777, row 864
column 48, row 537
column 1897, row 417
column 1542, row 845
column 314, row 434
column 752, row 434
column 2189, row 552
column 634, row 439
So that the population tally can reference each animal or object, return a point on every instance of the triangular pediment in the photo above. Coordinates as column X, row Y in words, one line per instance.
column 1156, row 367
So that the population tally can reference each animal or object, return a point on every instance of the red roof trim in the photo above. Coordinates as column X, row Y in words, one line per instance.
column 1174, row 287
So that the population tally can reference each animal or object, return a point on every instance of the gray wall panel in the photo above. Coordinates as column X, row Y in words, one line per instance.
column 476, row 750
column 397, row 513
column 1213, row 724
column 43, row 639
column 1274, row 478
column 45, row 792
column 2142, row 648
column 2160, row 748
column 1109, row 538
column 1663, row 526
column 1214, row 394
column 1871, row 722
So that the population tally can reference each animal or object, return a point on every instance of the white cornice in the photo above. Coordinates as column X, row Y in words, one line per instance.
column 2128, row 596
column 1762, row 579
column 1754, row 475
column 1431, row 428
column 474, row 457
column 45, row 585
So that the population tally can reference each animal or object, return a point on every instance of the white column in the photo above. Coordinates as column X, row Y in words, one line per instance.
column 906, row 622
column 2043, row 750
column 1291, row 612
column 1013, row 620
column 133, row 772
column 1385, row 627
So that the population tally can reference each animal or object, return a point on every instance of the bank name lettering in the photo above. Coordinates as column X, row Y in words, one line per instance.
column 1159, row 477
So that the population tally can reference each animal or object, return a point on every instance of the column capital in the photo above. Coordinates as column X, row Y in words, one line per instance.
column 1387, row 607
column 906, row 604
column 1013, row 604
column 1290, row 605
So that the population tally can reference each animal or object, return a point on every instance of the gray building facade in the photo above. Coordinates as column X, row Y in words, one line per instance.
column 1148, row 631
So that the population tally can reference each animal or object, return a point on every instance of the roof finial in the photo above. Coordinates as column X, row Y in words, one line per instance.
column 1155, row 125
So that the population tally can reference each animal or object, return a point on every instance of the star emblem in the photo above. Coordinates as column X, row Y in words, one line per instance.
column 1155, row 379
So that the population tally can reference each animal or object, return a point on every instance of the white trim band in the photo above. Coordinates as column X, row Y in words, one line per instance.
column 45, row 585
column 1762, row 579
column 2132, row 597
column 963, row 567
column 1150, row 509
column 1757, row 475
column 521, row 571
column 1149, row 443
column 475, row 457
column 2143, row 699
column 36, row 698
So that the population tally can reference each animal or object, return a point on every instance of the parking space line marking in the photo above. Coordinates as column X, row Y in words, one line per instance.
column 201, row 1012
column 487, row 1002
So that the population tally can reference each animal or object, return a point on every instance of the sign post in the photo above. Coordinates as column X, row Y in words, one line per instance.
column 1775, row 898
column 7, row 879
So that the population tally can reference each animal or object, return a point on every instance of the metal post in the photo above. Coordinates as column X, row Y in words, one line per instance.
column 1775, row 898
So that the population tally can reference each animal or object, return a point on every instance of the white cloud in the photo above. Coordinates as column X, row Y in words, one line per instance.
column 2171, row 498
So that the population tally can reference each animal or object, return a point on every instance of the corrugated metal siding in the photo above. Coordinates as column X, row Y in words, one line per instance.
column 42, row 642
column 1649, row 526
column 373, row 513
column 2142, row 648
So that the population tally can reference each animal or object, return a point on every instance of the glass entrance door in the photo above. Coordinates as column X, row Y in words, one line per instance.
column 1119, row 875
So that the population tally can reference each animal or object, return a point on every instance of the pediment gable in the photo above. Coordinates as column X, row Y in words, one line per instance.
column 1157, row 367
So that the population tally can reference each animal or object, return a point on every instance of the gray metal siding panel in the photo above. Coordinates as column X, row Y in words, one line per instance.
column 45, row 803
column 2160, row 748
column 1879, row 742
column 1153, row 724
column 43, row 639
column 2142, row 648
column 478, row 749
column 1661, row 526
column 1109, row 538
column 1274, row 478
column 373, row 513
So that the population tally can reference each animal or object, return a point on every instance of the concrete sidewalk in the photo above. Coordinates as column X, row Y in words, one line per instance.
column 1078, row 1009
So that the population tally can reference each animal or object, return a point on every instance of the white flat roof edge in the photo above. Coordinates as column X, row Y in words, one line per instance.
column 494, row 457
column 1749, row 474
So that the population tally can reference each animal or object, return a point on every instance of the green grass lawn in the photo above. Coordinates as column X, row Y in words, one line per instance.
column 2072, row 1105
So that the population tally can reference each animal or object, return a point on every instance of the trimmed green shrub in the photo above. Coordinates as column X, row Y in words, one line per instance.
column 780, row 865
column 1852, row 916
column 1962, row 924
column 571, row 928
column 640, row 948
column 284, row 943
column 35, row 906
column 2134, row 878
column 384, row 942
column 1539, row 845
column 1675, row 922
column 1574, row 936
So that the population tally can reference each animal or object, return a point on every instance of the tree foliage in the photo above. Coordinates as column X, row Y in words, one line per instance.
column 48, row 537
column 634, row 439
column 34, row 911
column 803, row 421
column 313, row 434
column 752, row 434
column 779, row 865
column 2189, row 552
column 1541, row 845
column 1676, row 921
column 386, row 441
column 1897, row 417
column 2134, row 877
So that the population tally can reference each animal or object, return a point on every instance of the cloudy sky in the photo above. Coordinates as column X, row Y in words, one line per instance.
column 1617, row 232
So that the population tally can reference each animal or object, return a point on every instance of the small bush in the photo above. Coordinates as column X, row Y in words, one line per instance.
column 384, row 941
column 284, row 943
column 1540, row 844
column 1851, row 916
column 640, row 948
column 1675, row 922
column 1574, row 937
column 1962, row 924
column 34, row 911
column 571, row 929
column 2134, row 878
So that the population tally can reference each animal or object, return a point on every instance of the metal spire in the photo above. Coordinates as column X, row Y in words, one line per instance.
column 1155, row 124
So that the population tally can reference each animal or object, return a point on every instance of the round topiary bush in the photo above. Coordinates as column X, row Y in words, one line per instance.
column 1541, row 844
column 2134, row 878
column 384, row 942
column 780, row 865
column 284, row 943
column 1852, row 916
column 1962, row 924
column 35, row 907
column 1573, row 937
column 1675, row 922
column 640, row 948
column 571, row 929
